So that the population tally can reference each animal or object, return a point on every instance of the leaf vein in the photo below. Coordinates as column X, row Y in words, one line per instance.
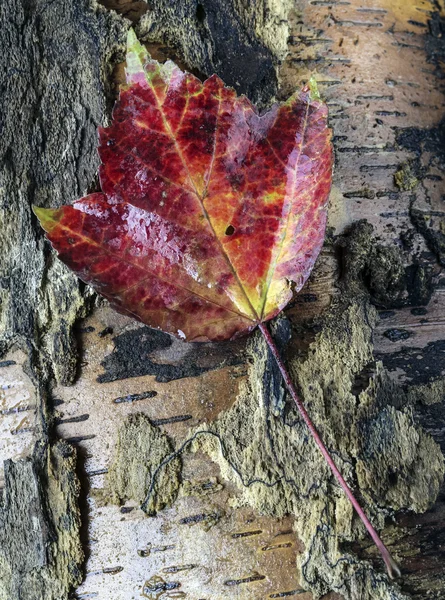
column 279, row 247
column 206, row 215
column 171, row 282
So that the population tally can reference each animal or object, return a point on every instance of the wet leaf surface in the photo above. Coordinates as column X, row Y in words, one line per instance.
column 209, row 213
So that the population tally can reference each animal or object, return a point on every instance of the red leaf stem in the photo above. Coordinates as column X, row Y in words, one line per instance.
column 391, row 565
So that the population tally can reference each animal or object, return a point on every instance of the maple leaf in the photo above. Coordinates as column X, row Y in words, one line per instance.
column 208, row 210
column 210, row 214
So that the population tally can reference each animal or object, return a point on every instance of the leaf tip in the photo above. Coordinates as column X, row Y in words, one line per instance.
column 132, row 39
column 136, row 58
column 313, row 89
column 46, row 217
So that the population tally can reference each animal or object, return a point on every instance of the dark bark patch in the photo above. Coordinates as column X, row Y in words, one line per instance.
column 430, row 226
column 212, row 38
column 146, row 351
column 420, row 365
column 390, row 281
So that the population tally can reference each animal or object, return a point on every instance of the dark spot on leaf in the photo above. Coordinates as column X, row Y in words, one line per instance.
column 230, row 230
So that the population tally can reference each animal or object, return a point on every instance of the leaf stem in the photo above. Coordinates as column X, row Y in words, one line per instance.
column 391, row 565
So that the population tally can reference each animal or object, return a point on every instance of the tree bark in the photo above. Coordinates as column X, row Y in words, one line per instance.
column 103, row 416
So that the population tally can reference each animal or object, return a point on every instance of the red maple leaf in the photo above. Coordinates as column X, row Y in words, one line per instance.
column 208, row 210
column 210, row 214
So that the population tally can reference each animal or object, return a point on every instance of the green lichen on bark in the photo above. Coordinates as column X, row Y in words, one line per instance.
column 278, row 469
column 264, row 449
column 137, row 470
column 406, row 178
column 365, row 420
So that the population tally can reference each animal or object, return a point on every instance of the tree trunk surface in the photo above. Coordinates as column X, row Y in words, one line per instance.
column 138, row 465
